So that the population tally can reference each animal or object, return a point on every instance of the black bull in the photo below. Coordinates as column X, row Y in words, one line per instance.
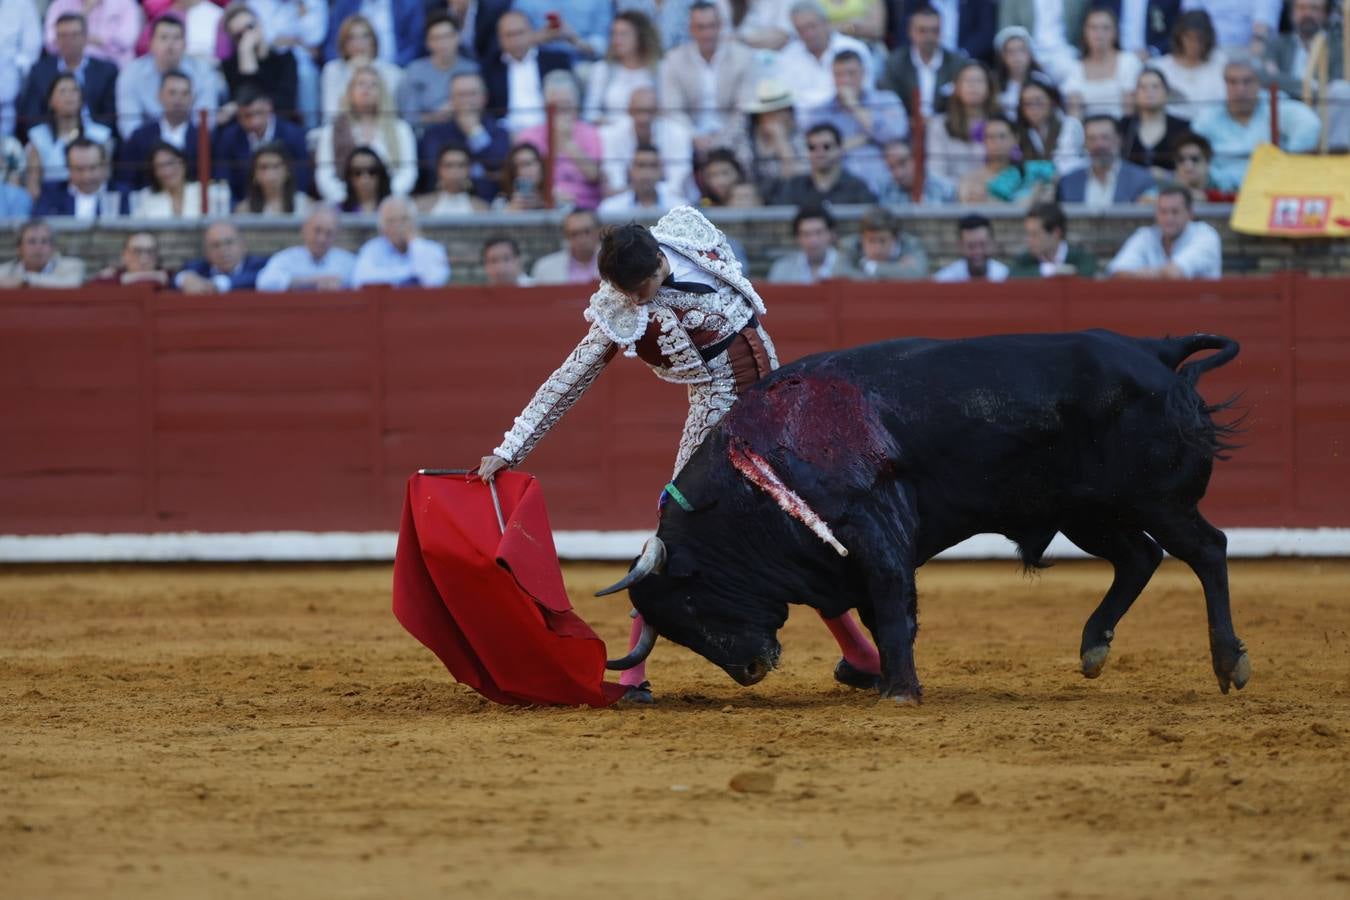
column 898, row 450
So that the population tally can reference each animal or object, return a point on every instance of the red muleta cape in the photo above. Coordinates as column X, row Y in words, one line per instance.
column 490, row 604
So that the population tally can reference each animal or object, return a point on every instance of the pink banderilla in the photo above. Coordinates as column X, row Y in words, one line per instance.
column 758, row 471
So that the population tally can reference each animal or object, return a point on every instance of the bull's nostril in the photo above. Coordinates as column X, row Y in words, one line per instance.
column 757, row 669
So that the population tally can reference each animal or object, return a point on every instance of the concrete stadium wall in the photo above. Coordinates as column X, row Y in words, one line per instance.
column 765, row 232
column 123, row 411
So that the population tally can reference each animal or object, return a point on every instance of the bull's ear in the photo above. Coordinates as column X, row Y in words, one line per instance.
column 681, row 564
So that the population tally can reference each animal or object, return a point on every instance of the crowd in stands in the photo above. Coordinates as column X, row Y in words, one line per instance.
column 408, row 108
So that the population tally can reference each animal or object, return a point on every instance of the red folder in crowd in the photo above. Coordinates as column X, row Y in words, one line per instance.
column 489, row 601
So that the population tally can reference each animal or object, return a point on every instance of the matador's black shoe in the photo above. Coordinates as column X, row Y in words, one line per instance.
column 851, row 676
column 641, row 693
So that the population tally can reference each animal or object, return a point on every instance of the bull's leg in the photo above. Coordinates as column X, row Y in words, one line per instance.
column 1187, row 536
column 1135, row 558
column 894, row 605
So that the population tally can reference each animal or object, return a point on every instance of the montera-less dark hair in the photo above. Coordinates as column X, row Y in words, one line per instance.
column 629, row 255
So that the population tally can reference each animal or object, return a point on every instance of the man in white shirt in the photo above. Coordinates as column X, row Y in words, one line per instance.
column 397, row 255
column 314, row 264
column 502, row 262
column 976, row 237
column 139, row 81
column 707, row 81
column 646, row 195
column 515, row 78
column 804, row 65
column 816, row 258
column 646, row 125
column 1176, row 246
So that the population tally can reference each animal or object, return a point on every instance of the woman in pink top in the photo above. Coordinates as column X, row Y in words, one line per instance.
column 112, row 27
column 577, row 176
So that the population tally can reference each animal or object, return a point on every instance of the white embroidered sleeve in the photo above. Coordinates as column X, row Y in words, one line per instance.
column 556, row 395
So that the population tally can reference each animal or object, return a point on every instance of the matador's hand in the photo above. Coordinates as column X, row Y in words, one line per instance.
column 490, row 466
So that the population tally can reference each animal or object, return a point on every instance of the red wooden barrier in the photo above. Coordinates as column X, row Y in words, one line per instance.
column 123, row 411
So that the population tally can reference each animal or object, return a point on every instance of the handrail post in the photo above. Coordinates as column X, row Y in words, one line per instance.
column 917, row 148
column 547, row 187
column 204, row 159
column 1275, row 114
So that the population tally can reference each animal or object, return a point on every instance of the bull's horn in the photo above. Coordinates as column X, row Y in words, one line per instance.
column 638, row 654
column 653, row 559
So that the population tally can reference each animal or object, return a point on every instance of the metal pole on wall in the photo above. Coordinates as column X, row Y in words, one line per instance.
column 546, row 188
column 917, row 133
column 204, row 159
column 1275, row 114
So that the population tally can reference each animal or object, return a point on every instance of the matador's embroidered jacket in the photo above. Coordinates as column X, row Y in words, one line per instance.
column 712, row 342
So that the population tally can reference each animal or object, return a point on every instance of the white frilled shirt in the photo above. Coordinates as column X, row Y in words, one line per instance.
column 661, row 329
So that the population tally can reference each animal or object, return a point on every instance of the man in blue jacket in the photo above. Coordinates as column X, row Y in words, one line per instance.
column 1107, row 179
column 226, row 266
column 87, row 193
column 97, row 77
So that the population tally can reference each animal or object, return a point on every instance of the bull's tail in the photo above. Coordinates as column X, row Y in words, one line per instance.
column 1217, row 438
column 1177, row 349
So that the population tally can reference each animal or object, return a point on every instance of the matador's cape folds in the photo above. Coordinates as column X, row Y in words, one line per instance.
column 490, row 604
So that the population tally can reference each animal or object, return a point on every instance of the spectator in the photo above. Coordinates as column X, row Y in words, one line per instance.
column 1194, row 68
column 257, row 125
column 396, row 27
column 1100, row 82
column 69, row 52
column 174, row 126
column 522, row 180
column 299, row 27
column 478, row 26
column 140, row 263
column 87, row 194
column 109, row 27
column 201, row 27
column 1289, row 63
column 1193, row 155
column 706, row 81
column 804, row 66
column 865, row 118
column 862, row 19
column 39, row 265
column 272, row 186
column 1242, row 25
column 515, row 79
column 139, row 81
column 315, row 264
column 672, row 17
column 953, row 144
column 645, row 125
column 816, row 258
column 743, row 195
column 502, row 263
column 398, row 255
column 1043, row 130
column 630, row 63
column 170, row 195
column 646, row 194
column 577, row 175
column 66, row 121
column 577, row 262
column 899, row 190
column 255, row 63
column 882, row 252
column 366, row 182
column 1175, row 246
column 424, row 94
column 1149, row 134
column 719, row 173
column 1049, row 252
column 827, row 181
column 15, row 202
column 20, row 46
column 366, row 119
column 967, row 27
column 777, row 147
column 975, row 235
column 763, row 24
column 1005, row 178
column 582, row 34
column 470, row 127
column 1015, row 66
column 454, row 186
column 359, row 48
column 1106, row 179
column 226, row 266
column 1054, row 28
column 1236, row 128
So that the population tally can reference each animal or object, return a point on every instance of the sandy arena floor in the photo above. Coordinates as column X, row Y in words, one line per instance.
column 270, row 732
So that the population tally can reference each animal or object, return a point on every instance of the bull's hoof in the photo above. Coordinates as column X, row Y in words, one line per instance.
column 851, row 676
column 902, row 700
column 638, row 694
column 1232, row 667
column 1094, row 660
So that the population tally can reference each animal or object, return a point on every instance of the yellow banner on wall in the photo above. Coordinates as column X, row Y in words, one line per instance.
column 1287, row 195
